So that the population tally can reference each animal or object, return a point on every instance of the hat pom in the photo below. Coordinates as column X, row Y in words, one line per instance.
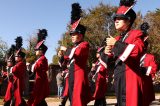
column 76, row 12
column 144, row 26
column 10, row 53
column 42, row 34
column 127, row 3
column 19, row 42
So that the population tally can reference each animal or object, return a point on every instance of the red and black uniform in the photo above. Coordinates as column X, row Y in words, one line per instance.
column 65, row 93
column 17, row 84
column 79, row 93
column 127, row 52
column 63, row 64
column 91, row 78
column 148, row 68
column 66, row 87
column 41, row 86
column 100, row 83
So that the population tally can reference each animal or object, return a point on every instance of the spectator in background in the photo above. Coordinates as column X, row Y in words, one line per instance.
column 65, row 93
column 60, row 82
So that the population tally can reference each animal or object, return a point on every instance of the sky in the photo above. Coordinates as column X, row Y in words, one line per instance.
column 24, row 17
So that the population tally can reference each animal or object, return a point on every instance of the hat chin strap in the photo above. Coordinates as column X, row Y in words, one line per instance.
column 76, row 43
column 126, row 31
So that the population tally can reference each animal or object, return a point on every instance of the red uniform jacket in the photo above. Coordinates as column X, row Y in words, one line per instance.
column 101, row 83
column 77, row 72
column 18, row 83
column 128, row 53
column 41, row 86
column 66, row 88
column 151, row 68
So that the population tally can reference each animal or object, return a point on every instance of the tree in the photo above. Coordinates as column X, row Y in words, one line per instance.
column 30, row 53
column 3, row 50
column 65, row 41
column 99, row 24
column 55, row 59
column 97, row 21
column 154, row 33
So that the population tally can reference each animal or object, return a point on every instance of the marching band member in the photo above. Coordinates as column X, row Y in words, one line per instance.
column 16, row 86
column 148, row 69
column 100, row 80
column 79, row 93
column 40, row 67
column 126, row 49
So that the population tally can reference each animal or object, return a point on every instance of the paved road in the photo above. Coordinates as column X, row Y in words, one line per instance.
column 110, row 102
column 53, row 101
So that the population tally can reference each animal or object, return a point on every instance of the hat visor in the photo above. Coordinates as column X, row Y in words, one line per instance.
column 17, row 56
column 72, row 32
column 120, row 16
column 9, row 60
column 36, row 49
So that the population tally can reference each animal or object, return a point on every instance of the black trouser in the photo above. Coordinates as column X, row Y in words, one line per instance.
column 42, row 103
column 120, row 89
column 8, row 103
column 63, row 102
column 100, row 102
column 71, row 82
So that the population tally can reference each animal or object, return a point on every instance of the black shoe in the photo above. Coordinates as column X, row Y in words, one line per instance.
column 42, row 103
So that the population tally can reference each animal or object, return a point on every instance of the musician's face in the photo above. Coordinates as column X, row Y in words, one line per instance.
column 39, row 52
column 121, row 24
column 18, row 58
column 75, row 37
column 9, row 63
column 97, row 55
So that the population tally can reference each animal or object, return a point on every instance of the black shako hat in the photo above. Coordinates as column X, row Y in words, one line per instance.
column 125, row 10
column 42, row 34
column 75, row 20
column 19, row 43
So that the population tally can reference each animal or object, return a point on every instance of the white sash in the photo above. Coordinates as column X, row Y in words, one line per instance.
column 127, row 52
column 142, row 60
column 103, row 63
column 73, row 51
column 32, row 69
column 148, row 70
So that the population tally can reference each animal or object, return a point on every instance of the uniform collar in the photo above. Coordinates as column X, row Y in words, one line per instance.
column 77, row 43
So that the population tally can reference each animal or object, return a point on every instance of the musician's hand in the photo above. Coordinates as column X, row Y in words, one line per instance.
column 110, row 41
column 63, row 48
column 10, row 75
column 107, row 49
column 3, row 73
column 60, row 53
